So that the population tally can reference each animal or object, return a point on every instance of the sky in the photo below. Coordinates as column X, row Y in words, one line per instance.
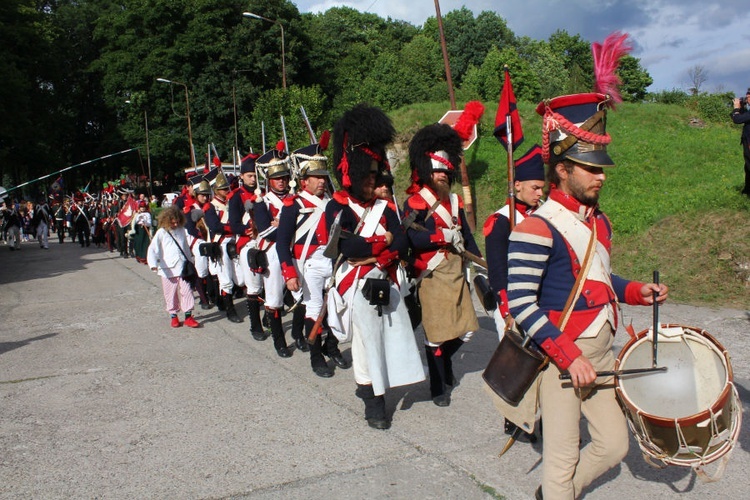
column 670, row 37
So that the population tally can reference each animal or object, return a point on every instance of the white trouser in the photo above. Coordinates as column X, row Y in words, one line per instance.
column 273, row 281
column 315, row 277
column 42, row 234
column 201, row 261
column 14, row 235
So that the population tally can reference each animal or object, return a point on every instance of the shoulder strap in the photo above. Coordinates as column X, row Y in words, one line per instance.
column 177, row 243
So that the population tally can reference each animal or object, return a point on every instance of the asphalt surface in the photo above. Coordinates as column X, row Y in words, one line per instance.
column 102, row 399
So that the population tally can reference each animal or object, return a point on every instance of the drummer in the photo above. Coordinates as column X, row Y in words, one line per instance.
column 547, row 252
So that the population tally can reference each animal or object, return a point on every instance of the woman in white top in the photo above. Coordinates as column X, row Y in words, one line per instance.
column 167, row 253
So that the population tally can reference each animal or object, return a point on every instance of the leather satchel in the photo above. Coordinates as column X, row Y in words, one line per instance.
column 518, row 361
column 513, row 367
column 377, row 292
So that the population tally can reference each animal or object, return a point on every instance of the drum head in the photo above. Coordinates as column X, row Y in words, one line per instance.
column 695, row 378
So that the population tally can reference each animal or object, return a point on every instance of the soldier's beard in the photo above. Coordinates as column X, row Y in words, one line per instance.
column 442, row 188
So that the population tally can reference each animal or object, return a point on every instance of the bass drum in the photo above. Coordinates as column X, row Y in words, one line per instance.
column 689, row 415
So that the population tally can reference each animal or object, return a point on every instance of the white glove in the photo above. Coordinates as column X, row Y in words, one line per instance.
column 454, row 238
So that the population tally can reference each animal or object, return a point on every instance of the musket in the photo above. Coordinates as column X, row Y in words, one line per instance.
column 293, row 181
column 314, row 140
column 310, row 130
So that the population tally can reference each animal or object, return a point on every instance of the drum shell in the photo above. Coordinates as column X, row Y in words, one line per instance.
column 696, row 429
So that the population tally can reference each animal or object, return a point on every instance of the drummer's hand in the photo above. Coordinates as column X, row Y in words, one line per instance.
column 581, row 371
column 647, row 292
column 292, row 284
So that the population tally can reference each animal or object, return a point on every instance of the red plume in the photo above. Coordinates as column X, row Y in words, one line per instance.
column 607, row 57
column 280, row 146
column 473, row 112
column 325, row 137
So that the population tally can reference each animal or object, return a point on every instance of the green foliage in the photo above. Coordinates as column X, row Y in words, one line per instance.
column 272, row 104
column 674, row 96
column 711, row 107
column 634, row 78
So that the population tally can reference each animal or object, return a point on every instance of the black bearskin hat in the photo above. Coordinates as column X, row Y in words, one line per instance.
column 360, row 137
column 436, row 147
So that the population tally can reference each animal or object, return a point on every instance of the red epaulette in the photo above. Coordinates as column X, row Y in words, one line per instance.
column 289, row 200
column 341, row 197
column 417, row 203
column 489, row 224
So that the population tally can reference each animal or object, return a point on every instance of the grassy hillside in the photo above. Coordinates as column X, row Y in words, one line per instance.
column 673, row 198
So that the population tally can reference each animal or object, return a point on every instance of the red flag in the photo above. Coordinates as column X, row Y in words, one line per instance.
column 127, row 212
column 507, row 106
column 217, row 162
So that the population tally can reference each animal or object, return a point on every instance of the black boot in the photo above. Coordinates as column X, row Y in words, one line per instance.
column 277, row 332
column 200, row 286
column 231, row 311
column 331, row 349
column 253, row 314
column 299, row 328
column 217, row 290
column 374, row 407
column 450, row 348
column 436, row 365
column 317, row 361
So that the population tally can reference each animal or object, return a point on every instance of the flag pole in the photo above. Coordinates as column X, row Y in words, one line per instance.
column 511, row 176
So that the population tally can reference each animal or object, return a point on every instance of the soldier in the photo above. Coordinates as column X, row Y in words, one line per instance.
column 438, row 239
column 12, row 223
column 60, row 212
column 366, row 303
column 241, row 204
column 219, row 231
column 81, row 220
column 567, row 243
column 196, row 228
column 528, row 187
column 300, row 245
column 278, row 174
column 41, row 222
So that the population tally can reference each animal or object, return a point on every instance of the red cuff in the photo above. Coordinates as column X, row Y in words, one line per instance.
column 438, row 237
column 386, row 258
column 227, row 229
column 379, row 247
column 562, row 351
column 288, row 271
column 633, row 295
column 502, row 303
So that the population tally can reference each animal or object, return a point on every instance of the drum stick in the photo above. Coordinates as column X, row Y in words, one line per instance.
column 655, row 341
column 619, row 373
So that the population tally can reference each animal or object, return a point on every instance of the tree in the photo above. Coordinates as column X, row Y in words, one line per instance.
column 469, row 39
column 547, row 66
column 635, row 79
column 698, row 75
column 577, row 58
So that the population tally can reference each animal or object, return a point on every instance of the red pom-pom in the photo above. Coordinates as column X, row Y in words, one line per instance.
column 280, row 146
column 325, row 138
column 473, row 112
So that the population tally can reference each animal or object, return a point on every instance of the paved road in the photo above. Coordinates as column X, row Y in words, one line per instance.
column 102, row 399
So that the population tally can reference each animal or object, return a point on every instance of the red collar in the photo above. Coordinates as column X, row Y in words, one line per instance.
column 343, row 198
column 582, row 211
